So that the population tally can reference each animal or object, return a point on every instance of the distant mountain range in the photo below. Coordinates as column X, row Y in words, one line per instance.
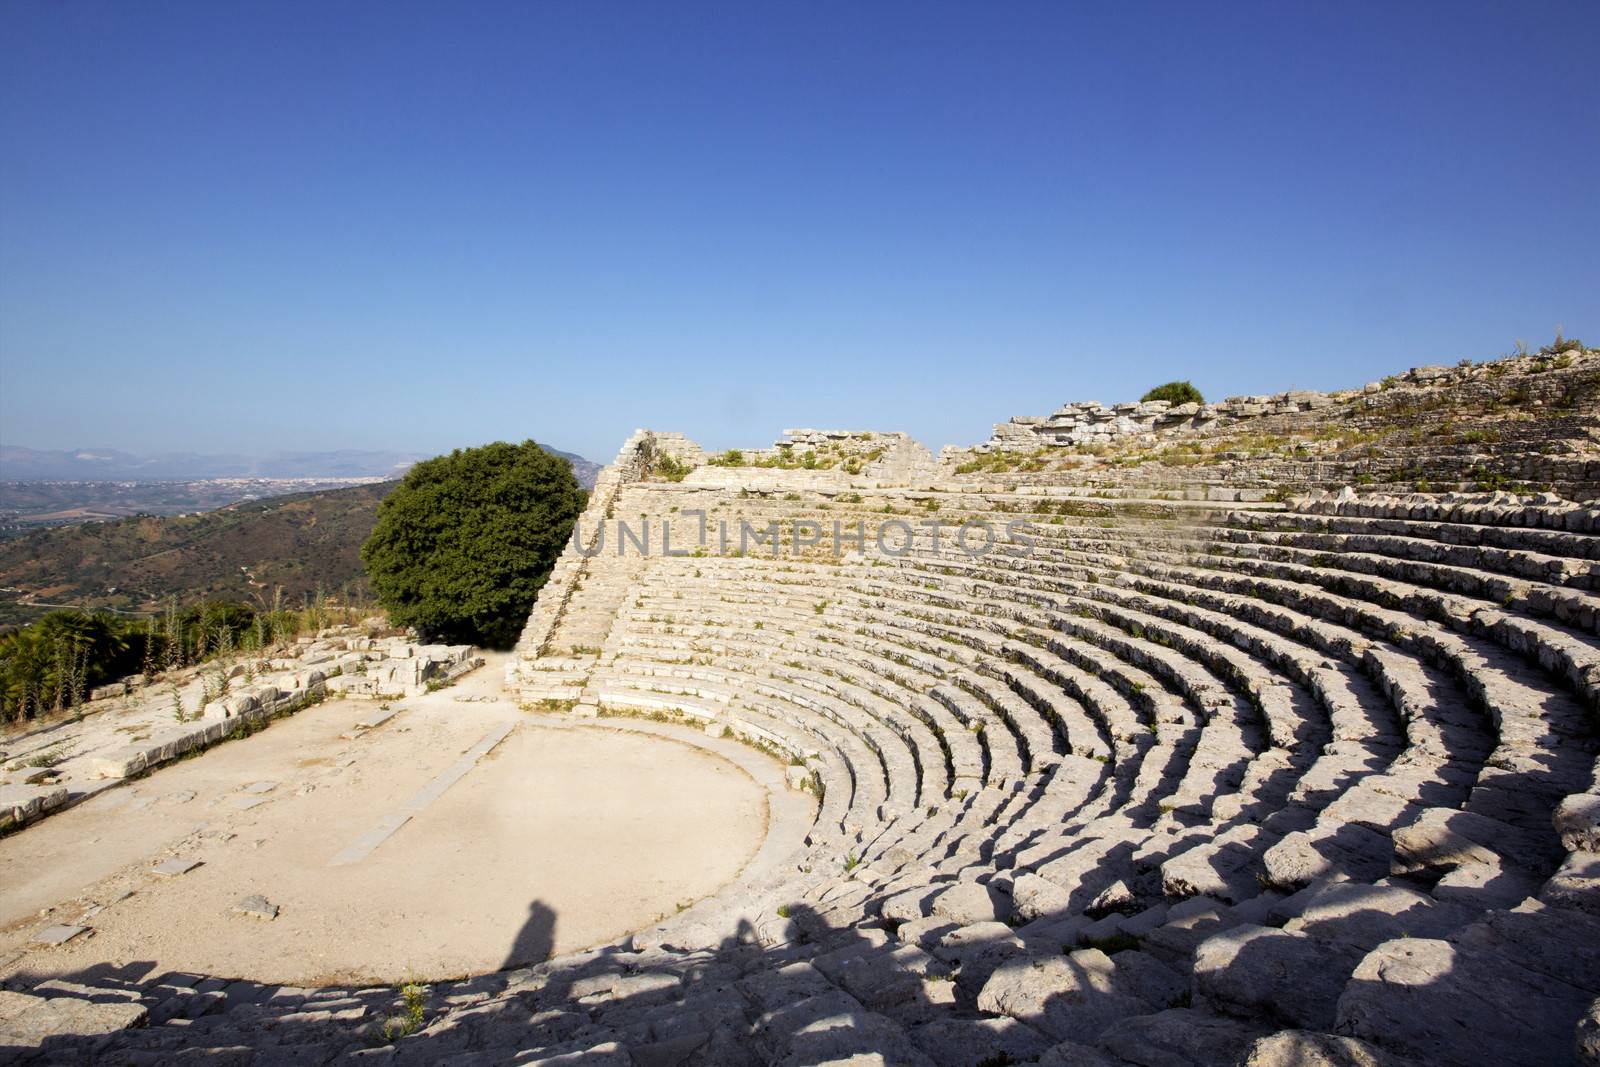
column 587, row 470
column 18, row 464
column 108, row 464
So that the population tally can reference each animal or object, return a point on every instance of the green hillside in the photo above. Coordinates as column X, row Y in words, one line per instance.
column 300, row 543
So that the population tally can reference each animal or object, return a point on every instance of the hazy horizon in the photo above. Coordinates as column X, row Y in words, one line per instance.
column 21, row 464
column 289, row 227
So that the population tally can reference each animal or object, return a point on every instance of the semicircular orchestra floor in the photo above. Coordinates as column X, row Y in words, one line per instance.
column 430, row 847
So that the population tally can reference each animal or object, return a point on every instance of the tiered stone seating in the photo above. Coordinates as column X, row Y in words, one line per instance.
column 1290, row 749
column 1150, row 783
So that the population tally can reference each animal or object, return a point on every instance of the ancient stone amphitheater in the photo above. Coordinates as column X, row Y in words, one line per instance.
column 1138, row 736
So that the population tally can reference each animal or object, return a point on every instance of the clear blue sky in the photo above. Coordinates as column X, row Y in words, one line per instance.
column 249, row 226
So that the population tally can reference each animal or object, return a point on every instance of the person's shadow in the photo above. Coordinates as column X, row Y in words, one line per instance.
column 535, row 940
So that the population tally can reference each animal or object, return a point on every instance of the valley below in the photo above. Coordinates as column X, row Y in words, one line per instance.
column 29, row 506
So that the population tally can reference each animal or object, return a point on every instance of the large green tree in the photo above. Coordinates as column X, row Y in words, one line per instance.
column 465, row 541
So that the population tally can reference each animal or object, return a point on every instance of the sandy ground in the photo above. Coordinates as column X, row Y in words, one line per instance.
column 560, row 838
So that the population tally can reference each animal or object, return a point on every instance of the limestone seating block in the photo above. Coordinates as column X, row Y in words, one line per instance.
column 1366, row 915
column 1070, row 998
column 131, row 759
column 352, row 685
column 1588, row 1036
column 28, row 1021
column 1305, row 1048
column 1576, row 884
column 954, row 1042
column 232, row 705
column 1423, row 998
column 123, row 762
column 1440, row 840
column 1252, row 969
column 1577, row 820
column 23, row 803
column 1034, row 897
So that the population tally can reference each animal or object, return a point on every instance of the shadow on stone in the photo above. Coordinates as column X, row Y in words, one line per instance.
column 535, row 940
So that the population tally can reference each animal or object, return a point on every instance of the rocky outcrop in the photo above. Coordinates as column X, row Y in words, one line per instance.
column 1090, row 422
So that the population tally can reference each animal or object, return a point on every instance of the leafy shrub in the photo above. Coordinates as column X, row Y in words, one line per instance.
column 1562, row 344
column 664, row 466
column 464, row 543
column 1174, row 393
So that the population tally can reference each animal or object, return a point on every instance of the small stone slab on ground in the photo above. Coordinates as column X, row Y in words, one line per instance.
column 257, row 907
column 370, row 722
column 59, row 934
column 246, row 803
column 257, row 788
column 174, row 867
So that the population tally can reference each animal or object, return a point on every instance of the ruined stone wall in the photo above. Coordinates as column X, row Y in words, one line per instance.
column 825, row 458
column 1528, row 424
column 1090, row 422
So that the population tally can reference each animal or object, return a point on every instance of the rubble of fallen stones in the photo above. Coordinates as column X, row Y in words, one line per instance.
column 137, row 724
column 1091, row 422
